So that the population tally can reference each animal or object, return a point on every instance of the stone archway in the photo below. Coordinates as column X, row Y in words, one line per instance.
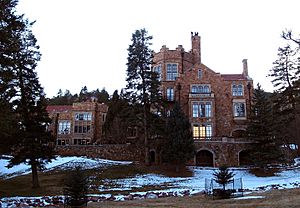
column 205, row 158
column 244, row 158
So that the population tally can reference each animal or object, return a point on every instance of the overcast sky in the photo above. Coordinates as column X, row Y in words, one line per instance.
column 84, row 42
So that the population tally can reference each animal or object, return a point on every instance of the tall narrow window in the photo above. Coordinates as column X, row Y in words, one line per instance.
column 172, row 72
column 196, row 134
column 200, row 74
column 202, row 131
column 195, row 110
column 208, row 109
column 170, row 94
column 157, row 69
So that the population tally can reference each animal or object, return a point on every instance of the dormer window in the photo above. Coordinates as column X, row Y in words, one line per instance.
column 172, row 72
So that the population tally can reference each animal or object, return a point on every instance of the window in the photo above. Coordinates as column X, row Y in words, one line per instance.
column 64, row 127
column 170, row 94
column 200, row 74
column 172, row 73
column 239, row 109
column 202, row 131
column 199, row 89
column 131, row 132
column 62, row 142
column 82, row 128
column 201, row 109
column 86, row 116
column 157, row 69
column 237, row 90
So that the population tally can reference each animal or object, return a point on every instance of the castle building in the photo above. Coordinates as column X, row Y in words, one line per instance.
column 77, row 124
column 217, row 105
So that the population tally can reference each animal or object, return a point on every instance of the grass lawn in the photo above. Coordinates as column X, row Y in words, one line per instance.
column 51, row 183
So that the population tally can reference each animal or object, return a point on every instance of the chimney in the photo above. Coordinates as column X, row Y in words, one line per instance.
column 245, row 68
column 196, row 47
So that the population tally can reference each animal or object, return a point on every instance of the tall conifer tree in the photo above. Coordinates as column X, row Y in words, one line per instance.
column 142, row 83
column 266, row 148
column 23, row 90
column 286, row 75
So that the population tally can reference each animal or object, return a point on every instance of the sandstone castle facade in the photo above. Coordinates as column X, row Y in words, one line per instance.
column 217, row 105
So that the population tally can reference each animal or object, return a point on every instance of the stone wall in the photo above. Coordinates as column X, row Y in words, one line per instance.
column 124, row 152
column 224, row 152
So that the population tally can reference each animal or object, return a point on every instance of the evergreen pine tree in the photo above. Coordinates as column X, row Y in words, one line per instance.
column 23, row 90
column 142, row 85
column 260, row 128
column 179, row 144
column 76, row 186
column 117, row 119
column 223, row 176
column 286, row 74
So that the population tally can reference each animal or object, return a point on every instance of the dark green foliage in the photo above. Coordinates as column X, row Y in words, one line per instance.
column 76, row 187
column 266, row 149
column 142, row 87
column 286, row 75
column 223, row 176
column 67, row 98
column 21, row 92
column 139, row 67
column 119, row 117
column 179, row 144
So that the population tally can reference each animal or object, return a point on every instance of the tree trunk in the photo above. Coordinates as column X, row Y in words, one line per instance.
column 147, row 161
column 34, row 173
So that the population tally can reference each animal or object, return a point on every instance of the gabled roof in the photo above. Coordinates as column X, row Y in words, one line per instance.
column 58, row 108
column 231, row 77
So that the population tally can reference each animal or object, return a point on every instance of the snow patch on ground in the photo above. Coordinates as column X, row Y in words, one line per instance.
column 62, row 163
column 162, row 186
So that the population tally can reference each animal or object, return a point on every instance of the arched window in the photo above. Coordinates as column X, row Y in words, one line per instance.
column 206, row 89
column 194, row 89
column 200, row 89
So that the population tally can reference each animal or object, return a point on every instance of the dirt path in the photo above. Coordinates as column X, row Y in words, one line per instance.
column 272, row 199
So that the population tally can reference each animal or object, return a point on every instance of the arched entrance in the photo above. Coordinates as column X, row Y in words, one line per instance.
column 244, row 158
column 205, row 158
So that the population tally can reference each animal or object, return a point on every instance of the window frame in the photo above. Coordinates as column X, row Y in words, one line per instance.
column 200, row 89
column 170, row 96
column 239, row 104
column 64, row 127
column 202, row 131
column 171, row 75
column 237, row 89
column 201, row 109
column 159, row 72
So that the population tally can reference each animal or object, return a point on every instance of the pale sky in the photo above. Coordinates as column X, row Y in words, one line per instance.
column 84, row 42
